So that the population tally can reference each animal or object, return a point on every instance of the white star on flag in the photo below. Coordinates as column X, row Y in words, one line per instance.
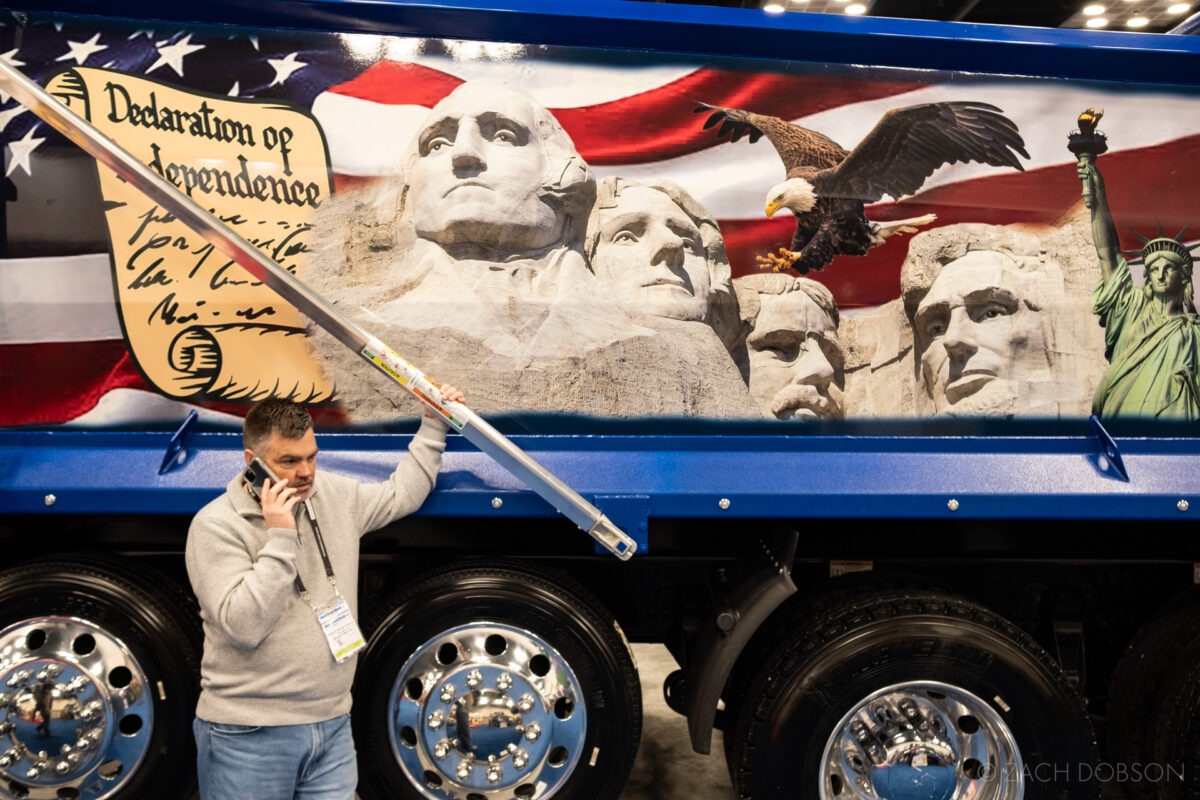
column 9, row 115
column 236, row 88
column 172, row 55
column 81, row 51
column 9, row 58
column 20, row 151
column 284, row 67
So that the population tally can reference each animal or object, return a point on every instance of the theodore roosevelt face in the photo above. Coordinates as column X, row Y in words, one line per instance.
column 795, row 358
column 978, row 336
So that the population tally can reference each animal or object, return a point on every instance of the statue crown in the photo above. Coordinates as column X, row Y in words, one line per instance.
column 1165, row 244
column 1170, row 245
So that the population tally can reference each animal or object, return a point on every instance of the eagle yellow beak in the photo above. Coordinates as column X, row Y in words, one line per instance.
column 771, row 209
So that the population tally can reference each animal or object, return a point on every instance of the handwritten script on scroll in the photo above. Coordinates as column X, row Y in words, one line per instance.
column 198, row 325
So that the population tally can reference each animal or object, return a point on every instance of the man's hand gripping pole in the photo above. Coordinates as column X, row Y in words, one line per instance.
column 467, row 422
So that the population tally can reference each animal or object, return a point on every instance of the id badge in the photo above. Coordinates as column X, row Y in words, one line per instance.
column 341, row 631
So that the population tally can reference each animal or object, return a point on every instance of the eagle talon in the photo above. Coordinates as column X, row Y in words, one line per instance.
column 786, row 259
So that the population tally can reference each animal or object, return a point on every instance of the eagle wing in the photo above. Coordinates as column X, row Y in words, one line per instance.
column 908, row 144
column 797, row 147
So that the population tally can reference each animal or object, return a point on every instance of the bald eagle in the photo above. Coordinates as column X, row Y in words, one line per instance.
column 827, row 186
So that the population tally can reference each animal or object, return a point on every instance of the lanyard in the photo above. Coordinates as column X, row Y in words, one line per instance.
column 303, row 591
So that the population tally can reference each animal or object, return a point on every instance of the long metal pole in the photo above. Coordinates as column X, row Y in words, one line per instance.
column 477, row 431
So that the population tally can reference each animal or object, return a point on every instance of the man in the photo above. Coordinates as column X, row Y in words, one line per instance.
column 792, row 354
column 272, row 722
column 1151, row 333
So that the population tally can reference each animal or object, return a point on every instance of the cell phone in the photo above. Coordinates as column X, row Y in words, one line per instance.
column 256, row 473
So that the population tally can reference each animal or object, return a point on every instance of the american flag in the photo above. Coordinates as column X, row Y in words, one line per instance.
column 62, row 355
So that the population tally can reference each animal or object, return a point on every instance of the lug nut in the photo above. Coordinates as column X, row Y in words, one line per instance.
column 525, row 704
column 464, row 770
column 441, row 749
column 532, row 732
column 49, row 672
column 436, row 719
column 474, row 678
column 504, row 682
column 19, row 679
column 63, row 767
column 493, row 773
column 36, row 771
column 75, row 686
column 9, row 758
column 447, row 693
column 520, row 759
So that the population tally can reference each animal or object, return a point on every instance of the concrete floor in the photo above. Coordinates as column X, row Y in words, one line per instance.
column 667, row 768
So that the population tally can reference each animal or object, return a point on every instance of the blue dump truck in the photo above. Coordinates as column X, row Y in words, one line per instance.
column 874, row 337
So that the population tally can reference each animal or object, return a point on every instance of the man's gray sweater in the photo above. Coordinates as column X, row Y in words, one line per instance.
column 266, row 660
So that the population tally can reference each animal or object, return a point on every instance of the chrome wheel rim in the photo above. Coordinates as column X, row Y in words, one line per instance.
column 486, row 711
column 921, row 740
column 75, row 710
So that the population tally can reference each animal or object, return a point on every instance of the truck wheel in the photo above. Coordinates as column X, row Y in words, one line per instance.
column 495, row 682
column 98, row 682
column 910, row 696
column 1175, row 768
column 1139, row 687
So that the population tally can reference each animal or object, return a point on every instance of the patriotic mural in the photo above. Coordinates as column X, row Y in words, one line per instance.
column 69, row 354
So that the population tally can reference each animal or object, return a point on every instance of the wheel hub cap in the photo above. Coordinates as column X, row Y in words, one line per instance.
column 487, row 711
column 921, row 741
column 75, row 717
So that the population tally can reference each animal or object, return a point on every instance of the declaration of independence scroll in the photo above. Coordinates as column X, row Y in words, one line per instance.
column 198, row 325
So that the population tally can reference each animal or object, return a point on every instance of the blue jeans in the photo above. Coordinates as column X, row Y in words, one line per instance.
column 276, row 762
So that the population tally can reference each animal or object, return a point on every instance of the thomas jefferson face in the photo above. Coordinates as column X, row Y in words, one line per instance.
column 795, row 359
column 649, row 250
column 977, row 336
column 479, row 171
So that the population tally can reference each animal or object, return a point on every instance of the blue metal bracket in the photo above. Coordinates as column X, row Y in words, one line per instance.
column 176, row 454
column 630, row 513
column 1108, row 447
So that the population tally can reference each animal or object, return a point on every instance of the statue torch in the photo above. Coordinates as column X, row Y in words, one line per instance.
column 1087, row 143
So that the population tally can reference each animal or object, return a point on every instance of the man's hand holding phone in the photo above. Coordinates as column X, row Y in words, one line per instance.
column 278, row 504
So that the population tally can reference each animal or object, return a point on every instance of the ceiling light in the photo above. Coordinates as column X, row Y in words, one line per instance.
column 1097, row 22
column 1137, row 22
column 1091, row 11
column 798, row 2
column 1178, row 8
column 857, row 8
column 773, row 8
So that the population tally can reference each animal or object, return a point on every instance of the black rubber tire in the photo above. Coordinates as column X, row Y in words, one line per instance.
column 155, row 619
column 1139, row 686
column 830, row 656
column 557, row 610
column 1174, row 769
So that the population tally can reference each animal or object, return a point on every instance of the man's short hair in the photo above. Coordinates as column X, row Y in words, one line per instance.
column 274, row 415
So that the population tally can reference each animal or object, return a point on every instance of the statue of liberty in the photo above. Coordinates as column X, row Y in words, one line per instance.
column 1151, row 332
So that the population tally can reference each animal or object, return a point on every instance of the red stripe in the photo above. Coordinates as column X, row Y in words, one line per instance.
column 45, row 384
column 666, row 126
column 52, row 383
column 399, row 82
